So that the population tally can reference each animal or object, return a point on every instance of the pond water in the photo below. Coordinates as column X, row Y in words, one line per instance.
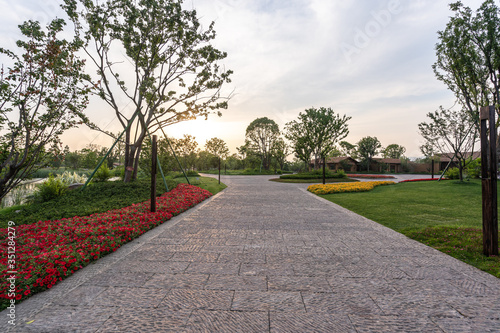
column 18, row 195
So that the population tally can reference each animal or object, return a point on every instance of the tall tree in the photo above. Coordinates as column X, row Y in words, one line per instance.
column 217, row 147
column 280, row 152
column 262, row 134
column 187, row 149
column 348, row 149
column 168, row 71
column 367, row 149
column 450, row 132
column 468, row 56
column 393, row 151
column 301, row 143
column 317, row 131
column 42, row 94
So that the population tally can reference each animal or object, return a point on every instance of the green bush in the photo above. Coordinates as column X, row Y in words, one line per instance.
column 341, row 173
column 102, row 174
column 473, row 169
column 316, row 174
column 51, row 188
column 453, row 173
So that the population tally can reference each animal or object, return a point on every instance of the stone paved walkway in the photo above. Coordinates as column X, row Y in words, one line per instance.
column 268, row 257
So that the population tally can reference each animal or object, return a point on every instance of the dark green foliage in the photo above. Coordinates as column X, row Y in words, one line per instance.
column 317, row 174
column 102, row 174
column 453, row 173
column 44, row 173
column 96, row 198
column 50, row 189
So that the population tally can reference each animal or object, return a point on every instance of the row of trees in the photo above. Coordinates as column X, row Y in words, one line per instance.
column 314, row 135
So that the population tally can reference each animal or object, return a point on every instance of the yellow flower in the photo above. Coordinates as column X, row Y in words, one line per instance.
column 346, row 187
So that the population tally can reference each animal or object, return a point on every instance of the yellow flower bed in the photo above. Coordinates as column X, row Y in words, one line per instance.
column 346, row 187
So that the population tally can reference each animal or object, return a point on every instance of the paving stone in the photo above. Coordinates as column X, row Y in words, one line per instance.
column 237, row 282
column 195, row 257
column 476, row 307
column 81, row 295
column 120, row 279
column 292, row 322
column 146, row 320
column 150, row 266
column 183, row 281
column 298, row 283
column 414, row 305
column 191, row 299
column 370, row 324
column 468, row 325
column 361, row 286
column 66, row 319
column 222, row 249
column 242, row 258
column 130, row 297
column 267, row 301
column 213, row 268
column 228, row 322
column 151, row 255
column 266, row 269
column 340, row 303
column 320, row 270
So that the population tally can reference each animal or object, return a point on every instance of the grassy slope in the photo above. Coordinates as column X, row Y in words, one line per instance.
column 444, row 215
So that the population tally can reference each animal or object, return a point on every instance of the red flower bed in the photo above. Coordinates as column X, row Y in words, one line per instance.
column 369, row 176
column 418, row 180
column 48, row 251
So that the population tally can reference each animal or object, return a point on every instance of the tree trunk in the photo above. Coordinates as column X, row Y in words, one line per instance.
column 460, row 171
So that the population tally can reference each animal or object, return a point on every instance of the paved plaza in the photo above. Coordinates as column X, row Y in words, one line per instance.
column 268, row 257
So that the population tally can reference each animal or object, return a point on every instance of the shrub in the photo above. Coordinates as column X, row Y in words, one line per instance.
column 51, row 188
column 102, row 174
column 341, row 173
column 453, row 173
column 474, row 168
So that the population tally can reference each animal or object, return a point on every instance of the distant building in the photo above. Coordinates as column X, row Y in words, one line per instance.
column 349, row 164
column 444, row 159
column 386, row 165
column 345, row 163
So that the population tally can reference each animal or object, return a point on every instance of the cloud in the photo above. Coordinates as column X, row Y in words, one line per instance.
column 368, row 59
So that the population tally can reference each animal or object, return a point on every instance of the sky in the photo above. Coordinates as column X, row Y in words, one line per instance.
column 368, row 59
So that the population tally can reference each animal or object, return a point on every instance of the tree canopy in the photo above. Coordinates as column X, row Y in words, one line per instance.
column 367, row 149
column 262, row 134
column 468, row 56
column 167, row 71
column 42, row 94
column 450, row 131
column 316, row 131
column 393, row 151
column 217, row 147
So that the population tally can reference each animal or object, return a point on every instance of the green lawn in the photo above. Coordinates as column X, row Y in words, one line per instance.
column 208, row 183
column 445, row 215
